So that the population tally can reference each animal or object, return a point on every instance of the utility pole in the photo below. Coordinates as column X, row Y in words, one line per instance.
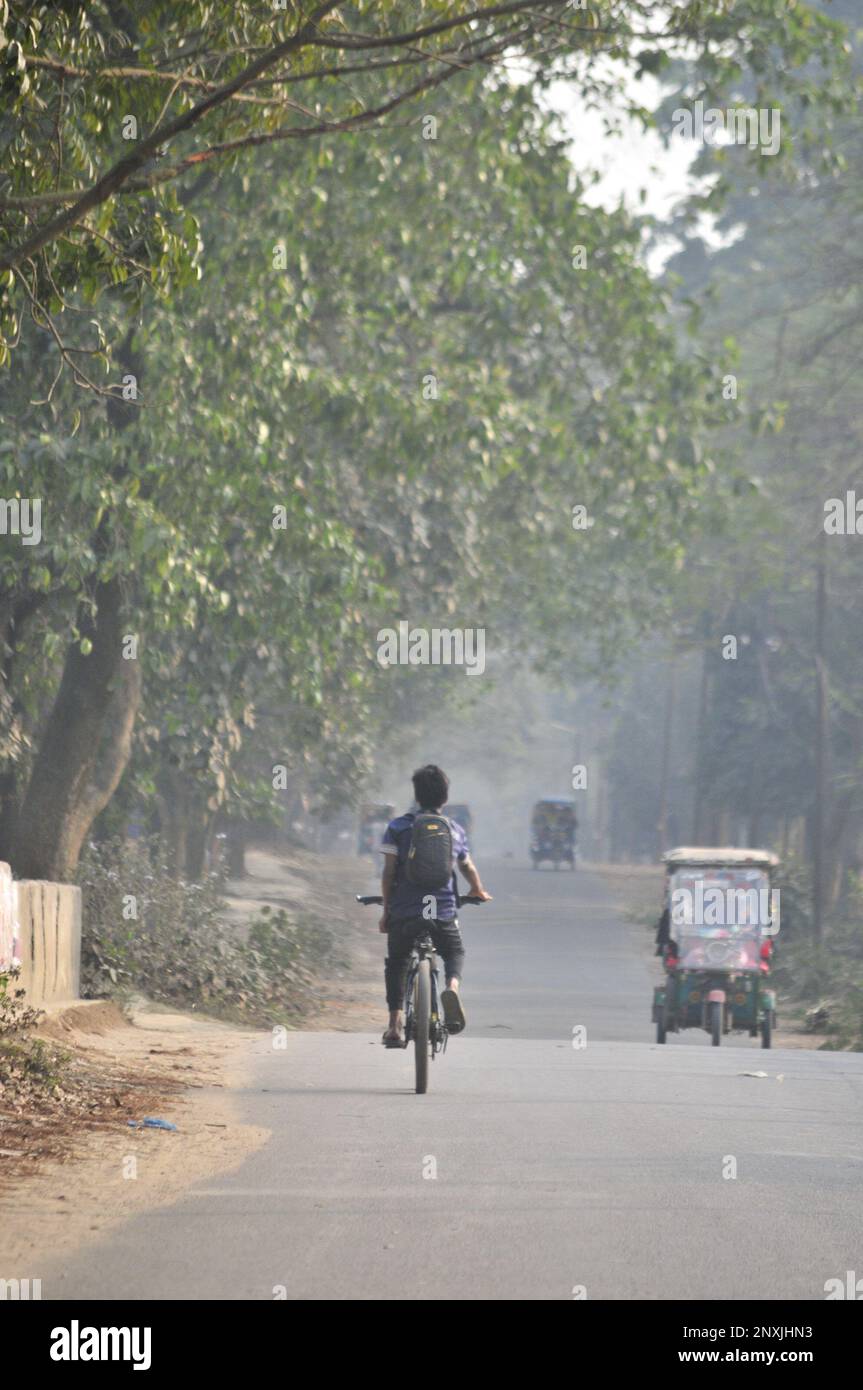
column 665, row 766
column 698, row 757
column 819, row 810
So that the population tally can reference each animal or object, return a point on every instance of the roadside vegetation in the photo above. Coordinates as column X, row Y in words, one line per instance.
column 31, row 1069
column 824, row 979
column 148, row 932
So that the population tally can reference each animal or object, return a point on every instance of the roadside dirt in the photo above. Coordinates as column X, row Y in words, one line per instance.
column 74, row 1169
column 70, row 1164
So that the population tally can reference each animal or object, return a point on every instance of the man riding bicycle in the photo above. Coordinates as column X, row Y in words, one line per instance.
column 409, row 908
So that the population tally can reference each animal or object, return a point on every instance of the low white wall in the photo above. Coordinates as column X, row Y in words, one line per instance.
column 44, row 934
column 8, row 920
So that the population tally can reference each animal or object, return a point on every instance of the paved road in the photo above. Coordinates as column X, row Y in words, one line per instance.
column 531, row 1169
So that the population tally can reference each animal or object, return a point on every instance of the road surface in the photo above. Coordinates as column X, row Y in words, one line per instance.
column 533, row 1169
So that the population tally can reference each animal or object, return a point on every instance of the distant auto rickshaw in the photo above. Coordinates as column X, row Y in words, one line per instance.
column 716, row 937
column 552, row 832
column 375, row 816
column 461, row 813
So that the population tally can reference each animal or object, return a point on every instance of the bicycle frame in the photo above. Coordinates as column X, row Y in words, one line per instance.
column 422, row 996
column 423, row 949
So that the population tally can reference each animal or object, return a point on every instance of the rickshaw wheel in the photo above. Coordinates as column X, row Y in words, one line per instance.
column 715, row 1022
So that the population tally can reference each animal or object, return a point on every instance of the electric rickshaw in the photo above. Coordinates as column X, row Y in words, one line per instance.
column 552, row 832
column 375, row 816
column 716, row 937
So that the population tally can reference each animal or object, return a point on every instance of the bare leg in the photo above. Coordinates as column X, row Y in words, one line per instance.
column 395, row 1027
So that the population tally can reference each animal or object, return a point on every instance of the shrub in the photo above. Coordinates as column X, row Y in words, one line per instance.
column 830, row 973
column 15, row 1015
column 176, row 948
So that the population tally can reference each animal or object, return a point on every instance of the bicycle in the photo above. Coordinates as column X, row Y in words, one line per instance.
column 424, row 1024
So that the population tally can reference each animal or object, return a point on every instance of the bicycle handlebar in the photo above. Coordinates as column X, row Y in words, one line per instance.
column 368, row 899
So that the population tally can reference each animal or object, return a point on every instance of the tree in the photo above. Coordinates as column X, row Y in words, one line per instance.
column 298, row 383
column 780, row 736
column 128, row 108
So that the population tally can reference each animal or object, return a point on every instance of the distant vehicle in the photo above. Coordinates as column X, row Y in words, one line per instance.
column 458, row 811
column 552, row 832
column 375, row 816
column 716, row 939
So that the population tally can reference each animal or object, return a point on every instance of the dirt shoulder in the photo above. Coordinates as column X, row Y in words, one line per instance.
column 73, row 1167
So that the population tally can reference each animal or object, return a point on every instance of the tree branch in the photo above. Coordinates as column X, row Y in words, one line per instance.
column 123, row 170
column 121, row 177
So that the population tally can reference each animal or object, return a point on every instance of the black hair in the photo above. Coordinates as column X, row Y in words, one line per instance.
column 431, row 787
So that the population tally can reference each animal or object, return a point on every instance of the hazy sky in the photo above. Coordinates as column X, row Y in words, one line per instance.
column 631, row 161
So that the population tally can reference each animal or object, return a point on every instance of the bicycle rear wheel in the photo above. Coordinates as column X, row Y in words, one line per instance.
column 422, row 1017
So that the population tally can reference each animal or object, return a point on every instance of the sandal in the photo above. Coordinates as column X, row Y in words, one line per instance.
column 453, row 1012
column 392, row 1038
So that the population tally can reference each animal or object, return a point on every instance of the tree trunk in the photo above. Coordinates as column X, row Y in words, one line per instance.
column 173, row 818
column 197, row 839
column 665, row 761
column 87, row 740
column 236, row 849
column 185, row 822
column 8, row 769
column 14, row 613
column 85, row 747
column 699, row 777
column 840, row 851
column 8, row 813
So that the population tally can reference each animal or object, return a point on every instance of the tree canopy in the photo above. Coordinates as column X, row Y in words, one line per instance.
column 344, row 381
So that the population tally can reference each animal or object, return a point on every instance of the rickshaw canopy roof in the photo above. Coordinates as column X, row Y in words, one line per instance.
column 732, row 857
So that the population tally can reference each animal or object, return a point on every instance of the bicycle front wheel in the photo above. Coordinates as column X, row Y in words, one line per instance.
column 422, row 1021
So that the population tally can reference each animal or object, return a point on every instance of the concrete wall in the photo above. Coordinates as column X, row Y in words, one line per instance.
column 45, row 936
column 8, row 921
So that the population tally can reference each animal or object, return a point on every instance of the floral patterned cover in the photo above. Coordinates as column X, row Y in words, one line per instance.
column 8, row 920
